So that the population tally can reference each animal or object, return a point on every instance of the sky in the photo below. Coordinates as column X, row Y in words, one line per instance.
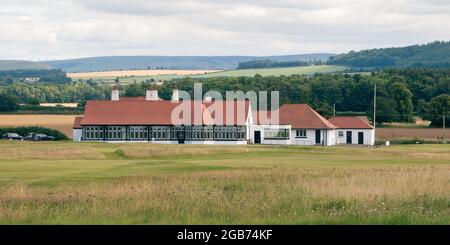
column 61, row 29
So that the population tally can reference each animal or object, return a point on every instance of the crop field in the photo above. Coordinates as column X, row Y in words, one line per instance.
column 423, row 133
column 127, row 77
column 137, row 73
column 286, row 71
column 94, row 183
column 63, row 123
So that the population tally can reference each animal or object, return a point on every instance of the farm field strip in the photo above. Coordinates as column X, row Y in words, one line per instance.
column 63, row 123
column 136, row 73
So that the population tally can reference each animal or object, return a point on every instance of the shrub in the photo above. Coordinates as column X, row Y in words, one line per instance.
column 24, row 131
column 8, row 103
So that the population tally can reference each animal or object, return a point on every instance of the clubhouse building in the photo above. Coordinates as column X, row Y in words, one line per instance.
column 150, row 119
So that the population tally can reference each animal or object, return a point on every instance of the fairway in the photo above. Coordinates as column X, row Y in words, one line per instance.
column 95, row 183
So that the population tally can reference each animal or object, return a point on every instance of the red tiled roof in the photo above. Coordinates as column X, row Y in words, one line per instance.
column 77, row 122
column 143, row 112
column 350, row 122
column 133, row 98
column 303, row 116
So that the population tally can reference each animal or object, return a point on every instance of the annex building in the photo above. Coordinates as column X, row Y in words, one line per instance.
column 150, row 119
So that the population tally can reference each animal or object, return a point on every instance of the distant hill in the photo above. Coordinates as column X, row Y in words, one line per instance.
column 435, row 54
column 7, row 65
column 169, row 62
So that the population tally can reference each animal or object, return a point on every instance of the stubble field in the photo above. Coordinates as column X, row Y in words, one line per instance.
column 93, row 183
column 63, row 123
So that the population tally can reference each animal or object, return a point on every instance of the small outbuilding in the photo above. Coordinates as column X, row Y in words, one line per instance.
column 353, row 131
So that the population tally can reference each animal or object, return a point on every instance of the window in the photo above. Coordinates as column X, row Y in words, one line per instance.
column 93, row 133
column 161, row 132
column 138, row 132
column 341, row 133
column 116, row 132
column 276, row 134
column 300, row 133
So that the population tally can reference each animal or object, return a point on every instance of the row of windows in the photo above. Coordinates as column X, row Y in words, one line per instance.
column 164, row 132
column 276, row 134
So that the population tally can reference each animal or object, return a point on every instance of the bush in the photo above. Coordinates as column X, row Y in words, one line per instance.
column 8, row 103
column 24, row 131
column 33, row 101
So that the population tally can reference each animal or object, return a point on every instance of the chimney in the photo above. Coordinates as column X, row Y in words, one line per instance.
column 152, row 94
column 175, row 96
column 208, row 99
column 115, row 93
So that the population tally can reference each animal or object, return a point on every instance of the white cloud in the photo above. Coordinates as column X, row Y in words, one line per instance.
column 55, row 29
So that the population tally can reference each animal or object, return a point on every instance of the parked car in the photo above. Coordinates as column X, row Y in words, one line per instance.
column 11, row 136
column 38, row 137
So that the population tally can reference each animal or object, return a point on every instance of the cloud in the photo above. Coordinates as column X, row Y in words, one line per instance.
column 56, row 29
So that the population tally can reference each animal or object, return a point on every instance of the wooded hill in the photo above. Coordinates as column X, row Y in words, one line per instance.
column 435, row 54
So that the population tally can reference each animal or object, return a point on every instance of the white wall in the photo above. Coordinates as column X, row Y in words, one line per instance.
column 369, row 138
column 264, row 141
column 327, row 136
column 77, row 134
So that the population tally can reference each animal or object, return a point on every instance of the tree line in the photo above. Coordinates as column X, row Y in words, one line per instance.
column 401, row 93
column 267, row 63
column 43, row 75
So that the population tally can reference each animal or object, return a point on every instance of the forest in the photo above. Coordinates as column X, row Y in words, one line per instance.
column 435, row 54
column 42, row 75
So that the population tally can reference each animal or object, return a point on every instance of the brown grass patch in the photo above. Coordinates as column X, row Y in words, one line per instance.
column 47, row 150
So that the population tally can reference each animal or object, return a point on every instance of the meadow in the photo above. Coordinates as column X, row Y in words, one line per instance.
column 94, row 183
column 284, row 71
column 127, row 77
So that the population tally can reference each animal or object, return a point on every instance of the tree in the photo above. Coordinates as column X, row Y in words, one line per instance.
column 134, row 90
column 386, row 111
column 33, row 101
column 325, row 110
column 439, row 106
column 403, row 99
column 8, row 103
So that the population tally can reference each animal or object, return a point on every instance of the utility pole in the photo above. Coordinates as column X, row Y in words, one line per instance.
column 374, row 108
column 334, row 109
column 443, row 125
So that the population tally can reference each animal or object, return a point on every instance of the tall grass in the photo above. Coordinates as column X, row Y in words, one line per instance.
column 279, row 195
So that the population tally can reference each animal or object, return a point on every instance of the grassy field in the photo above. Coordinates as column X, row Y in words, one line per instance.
column 91, row 183
column 63, row 123
column 127, row 77
column 130, row 76
column 286, row 71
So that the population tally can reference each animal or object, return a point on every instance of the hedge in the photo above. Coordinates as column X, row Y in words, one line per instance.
column 24, row 131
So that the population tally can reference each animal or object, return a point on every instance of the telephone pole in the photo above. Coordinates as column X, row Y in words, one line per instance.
column 443, row 126
column 334, row 109
column 374, row 108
